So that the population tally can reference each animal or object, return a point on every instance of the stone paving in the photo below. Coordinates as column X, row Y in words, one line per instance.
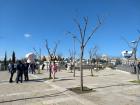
column 112, row 87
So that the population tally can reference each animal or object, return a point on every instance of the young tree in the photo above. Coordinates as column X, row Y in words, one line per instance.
column 134, row 46
column 92, row 54
column 38, row 53
column 52, row 54
column 13, row 57
column 83, row 40
column 71, row 59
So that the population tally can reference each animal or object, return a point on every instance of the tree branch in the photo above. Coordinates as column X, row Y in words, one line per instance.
column 55, row 48
column 36, row 51
column 94, row 30
column 85, row 27
column 47, row 47
column 137, row 42
column 93, row 51
column 73, row 35
column 124, row 39
column 71, row 53
column 79, row 27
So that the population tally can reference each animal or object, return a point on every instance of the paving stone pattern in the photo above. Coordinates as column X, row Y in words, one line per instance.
column 112, row 87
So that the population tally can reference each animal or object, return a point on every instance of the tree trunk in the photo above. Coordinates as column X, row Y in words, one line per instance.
column 50, row 71
column 91, row 70
column 71, row 68
column 74, row 59
column 74, row 69
column 137, row 74
column 135, row 64
column 81, row 69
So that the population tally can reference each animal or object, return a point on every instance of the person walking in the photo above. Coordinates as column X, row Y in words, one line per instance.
column 20, row 69
column 54, row 70
column 12, row 70
column 25, row 71
column 32, row 65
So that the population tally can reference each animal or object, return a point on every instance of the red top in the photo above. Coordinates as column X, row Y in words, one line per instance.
column 54, row 68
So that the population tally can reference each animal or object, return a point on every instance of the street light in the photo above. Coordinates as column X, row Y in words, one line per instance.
column 134, row 49
column 74, row 37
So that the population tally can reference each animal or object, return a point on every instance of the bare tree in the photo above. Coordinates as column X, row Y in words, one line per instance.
column 71, row 52
column 38, row 54
column 83, row 40
column 134, row 46
column 92, row 55
column 60, row 59
column 52, row 54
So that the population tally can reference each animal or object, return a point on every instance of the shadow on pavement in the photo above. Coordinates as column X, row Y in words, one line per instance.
column 28, row 98
column 38, row 80
column 5, row 81
column 115, row 85
column 65, row 79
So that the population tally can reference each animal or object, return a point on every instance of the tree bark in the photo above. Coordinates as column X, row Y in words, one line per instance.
column 81, row 69
column 74, row 69
column 135, row 64
column 50, row 71
column 91, row 70
column 74, row 58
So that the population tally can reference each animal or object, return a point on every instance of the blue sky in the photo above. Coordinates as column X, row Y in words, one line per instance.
column 26, row 24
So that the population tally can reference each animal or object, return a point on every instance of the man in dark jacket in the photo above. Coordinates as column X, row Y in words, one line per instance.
column 26, row 65
column 12, row 70
column 20, row 68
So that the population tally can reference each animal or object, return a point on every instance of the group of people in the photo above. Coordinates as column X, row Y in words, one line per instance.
column 21, row 68
column 135, row 66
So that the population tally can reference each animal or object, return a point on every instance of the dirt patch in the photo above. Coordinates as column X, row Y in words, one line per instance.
column 78, row 90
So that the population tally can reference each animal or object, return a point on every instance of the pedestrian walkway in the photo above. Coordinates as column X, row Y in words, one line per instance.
column 112, row 87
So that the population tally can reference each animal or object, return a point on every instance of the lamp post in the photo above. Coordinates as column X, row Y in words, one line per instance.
column 134, row 49
column 74, row 56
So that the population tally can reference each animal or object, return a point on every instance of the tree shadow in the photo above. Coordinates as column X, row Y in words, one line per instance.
column 38, row 80
column 121, row 84
column 88, row 75
column 5, row 81
column 28, row 98
column 78, row 90
column 108, row 74
column 65, row 79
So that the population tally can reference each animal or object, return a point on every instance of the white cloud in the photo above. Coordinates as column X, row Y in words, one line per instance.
column 27, row 35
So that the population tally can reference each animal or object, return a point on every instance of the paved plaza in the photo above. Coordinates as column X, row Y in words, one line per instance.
column 112, row 87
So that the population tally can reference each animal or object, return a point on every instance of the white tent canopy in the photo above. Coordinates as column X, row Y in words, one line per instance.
column 30, row 57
